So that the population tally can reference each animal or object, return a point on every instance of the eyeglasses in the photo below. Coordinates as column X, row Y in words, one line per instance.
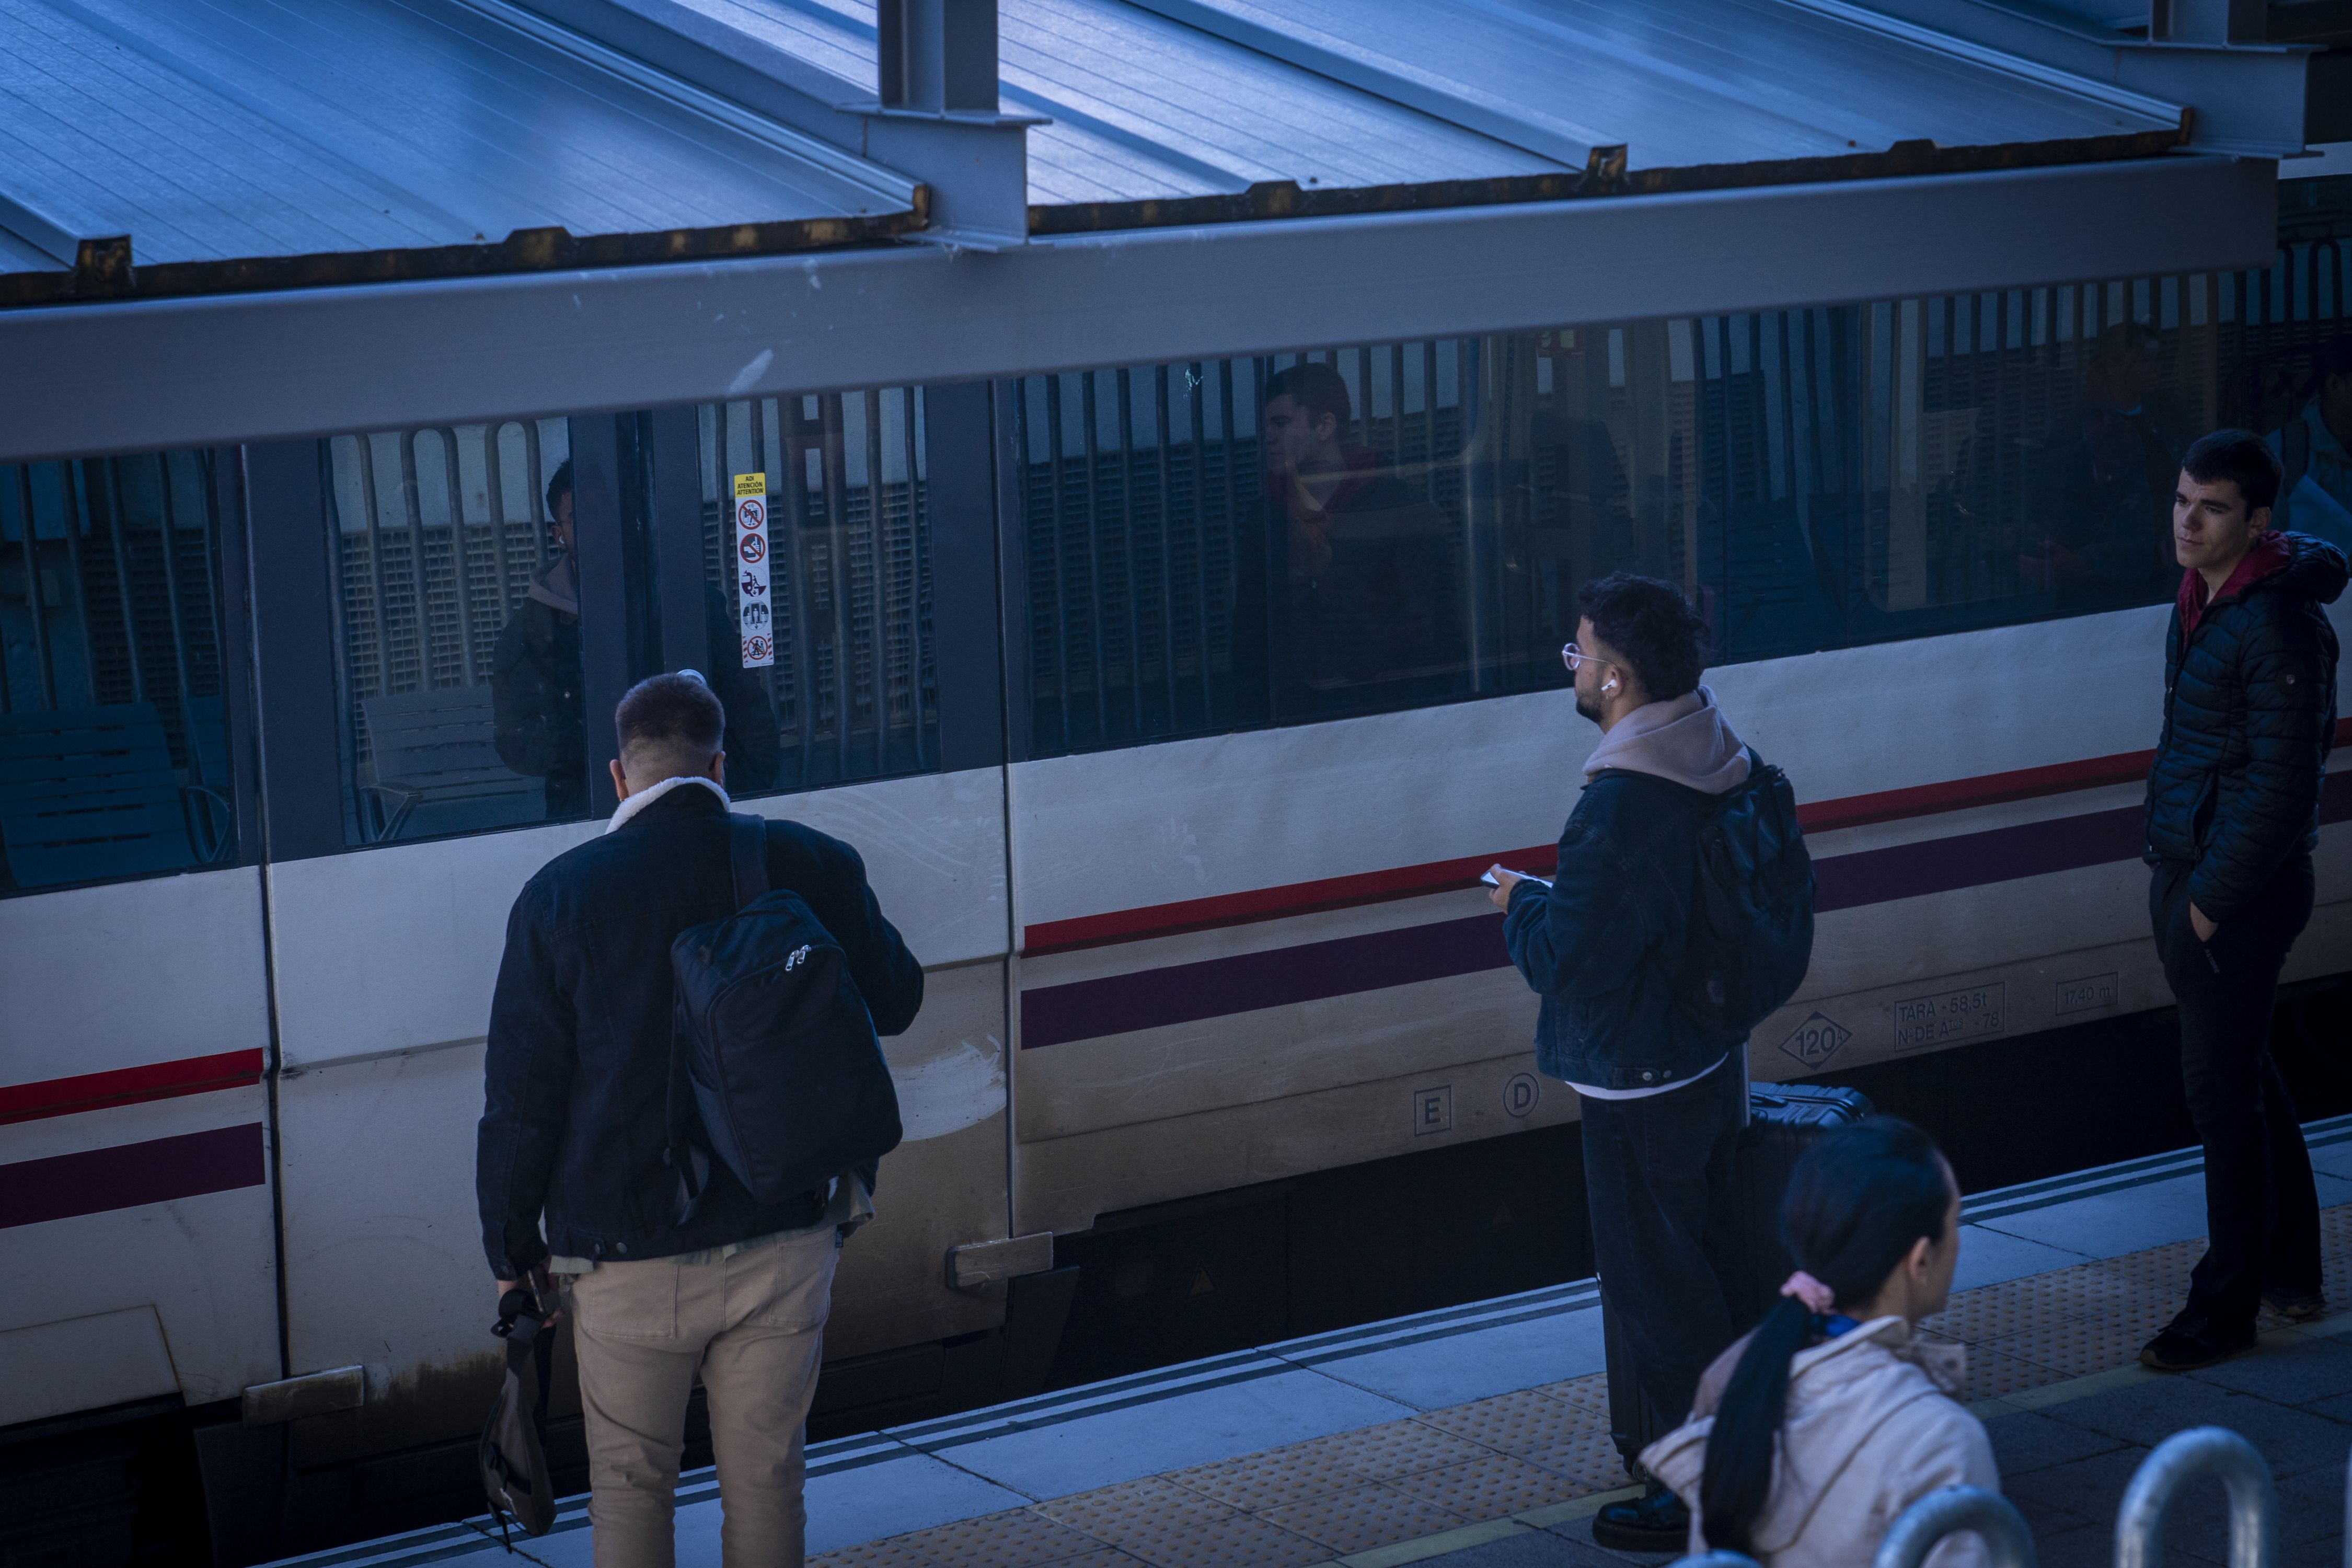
column 1572, row 655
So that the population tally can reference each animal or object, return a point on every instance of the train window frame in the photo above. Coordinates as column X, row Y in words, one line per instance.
column 198, row 744
column 811, row 449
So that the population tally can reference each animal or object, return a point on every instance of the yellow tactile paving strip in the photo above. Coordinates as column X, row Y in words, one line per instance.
column 1360, row 1492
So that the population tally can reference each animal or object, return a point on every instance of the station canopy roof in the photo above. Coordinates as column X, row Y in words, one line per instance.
column 237, row 145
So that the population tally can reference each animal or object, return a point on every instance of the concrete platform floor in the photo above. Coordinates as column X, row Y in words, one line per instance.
column 1512, row 1481
column 1478, row 1435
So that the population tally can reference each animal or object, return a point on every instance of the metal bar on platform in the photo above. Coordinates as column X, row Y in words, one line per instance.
column 1924, row 1525
column 2213, row 1451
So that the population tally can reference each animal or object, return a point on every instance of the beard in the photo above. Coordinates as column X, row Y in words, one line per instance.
column 1585, row 711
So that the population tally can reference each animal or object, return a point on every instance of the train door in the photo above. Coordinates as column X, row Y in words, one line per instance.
column 1259, row 593
column 408, row 584
column 458, row 613
column 874, row 514
column 136, row 1233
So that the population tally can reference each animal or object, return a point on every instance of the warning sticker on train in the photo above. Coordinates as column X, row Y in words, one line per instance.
column 756, row 616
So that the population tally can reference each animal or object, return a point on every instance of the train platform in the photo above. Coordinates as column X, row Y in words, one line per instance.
column 1477, row 1436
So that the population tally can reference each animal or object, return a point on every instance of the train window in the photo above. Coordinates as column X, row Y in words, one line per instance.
column 1220, row 544
column 457, row 629
column 113, row 746
column 816, row 540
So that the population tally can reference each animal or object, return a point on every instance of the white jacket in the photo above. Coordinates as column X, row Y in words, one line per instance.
column 1870, row 1428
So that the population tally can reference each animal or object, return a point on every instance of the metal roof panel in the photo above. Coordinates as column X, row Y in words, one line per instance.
column 245, row 131
column 1112, row 73
column 1143, row 108
column 1690, row 83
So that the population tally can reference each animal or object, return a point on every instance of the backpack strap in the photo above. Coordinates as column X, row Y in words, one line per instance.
column 747, row 860
column 747, row 844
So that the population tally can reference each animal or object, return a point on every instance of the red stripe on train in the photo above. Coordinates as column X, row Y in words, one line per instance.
column 1452, row 876
column 64, row 1186
column 129, row 1086
column 1275, row 903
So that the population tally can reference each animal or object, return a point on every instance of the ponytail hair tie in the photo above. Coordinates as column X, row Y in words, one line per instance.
column 1818, row 1297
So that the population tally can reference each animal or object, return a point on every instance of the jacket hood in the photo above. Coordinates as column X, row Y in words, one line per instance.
column 2315, row 569
column 558, row 587
column 1841, row 1392
column 1684, row 741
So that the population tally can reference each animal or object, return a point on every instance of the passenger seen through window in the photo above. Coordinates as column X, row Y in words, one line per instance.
column 1365, row 595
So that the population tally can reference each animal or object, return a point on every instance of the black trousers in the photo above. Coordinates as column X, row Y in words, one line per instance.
column 1660, row 1173
column 2261, row 1208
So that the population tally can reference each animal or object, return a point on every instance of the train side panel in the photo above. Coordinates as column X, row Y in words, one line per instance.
column 1182, row 1060
column 136, row 1232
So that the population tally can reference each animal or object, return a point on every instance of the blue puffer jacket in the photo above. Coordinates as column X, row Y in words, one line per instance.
column 1605, row 946
column 2249, row 716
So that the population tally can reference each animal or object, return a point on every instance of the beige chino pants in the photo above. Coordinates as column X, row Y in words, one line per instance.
column 753, row 1326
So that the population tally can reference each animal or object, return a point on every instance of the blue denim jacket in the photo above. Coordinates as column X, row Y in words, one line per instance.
column 1605, row 946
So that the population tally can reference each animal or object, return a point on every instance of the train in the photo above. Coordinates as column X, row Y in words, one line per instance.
column 1175, row 750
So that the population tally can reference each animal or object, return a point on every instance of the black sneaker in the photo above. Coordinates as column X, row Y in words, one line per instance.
column 1655, row 1522
column 2192, row 1340
column 2297, row 1306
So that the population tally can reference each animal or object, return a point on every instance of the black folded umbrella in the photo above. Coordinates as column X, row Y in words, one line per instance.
column 512, row 1457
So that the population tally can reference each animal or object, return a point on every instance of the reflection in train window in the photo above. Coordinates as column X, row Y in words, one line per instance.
column 113, row 746
column 831, row 678
column 457, row 630
column 1224, row 544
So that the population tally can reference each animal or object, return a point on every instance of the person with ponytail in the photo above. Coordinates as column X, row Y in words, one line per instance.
column 1812, row 1434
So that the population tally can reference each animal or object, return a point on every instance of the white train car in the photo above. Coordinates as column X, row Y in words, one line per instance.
column 323, row 560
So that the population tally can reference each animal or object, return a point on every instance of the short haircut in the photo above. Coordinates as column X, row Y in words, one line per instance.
column 675, row 720
column 2240, row 455
column 2129, row 340
column 559, row 484
column 1316, row 387
column 1652, row 626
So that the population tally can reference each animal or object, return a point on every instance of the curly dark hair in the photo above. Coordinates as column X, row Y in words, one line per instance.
column 1653, row 625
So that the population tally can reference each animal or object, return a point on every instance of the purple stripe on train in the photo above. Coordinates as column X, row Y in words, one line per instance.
column 1186, row 993
column 92, row 1181
column 1310, row 971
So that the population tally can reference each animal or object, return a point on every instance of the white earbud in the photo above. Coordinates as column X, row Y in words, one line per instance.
column 1612, row 686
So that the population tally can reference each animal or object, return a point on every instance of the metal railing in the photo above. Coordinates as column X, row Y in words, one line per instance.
column 1994, row 1518
column 2201, row 1451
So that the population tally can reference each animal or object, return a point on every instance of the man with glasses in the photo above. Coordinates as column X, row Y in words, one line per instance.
column 1605, row 945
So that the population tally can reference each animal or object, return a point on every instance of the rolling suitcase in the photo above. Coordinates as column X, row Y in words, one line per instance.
column 1783, row 1121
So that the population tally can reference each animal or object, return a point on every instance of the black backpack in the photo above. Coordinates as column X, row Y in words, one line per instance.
column 770, row 1035
column 1751, row 919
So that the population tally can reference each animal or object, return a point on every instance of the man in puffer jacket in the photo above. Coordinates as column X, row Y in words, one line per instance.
column 2232, row 816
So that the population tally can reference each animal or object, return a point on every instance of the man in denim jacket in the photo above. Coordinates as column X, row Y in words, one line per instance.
column 1663, row 1097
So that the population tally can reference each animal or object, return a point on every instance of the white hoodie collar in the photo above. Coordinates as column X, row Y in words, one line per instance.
column 652, row 793
column 1685, row 739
